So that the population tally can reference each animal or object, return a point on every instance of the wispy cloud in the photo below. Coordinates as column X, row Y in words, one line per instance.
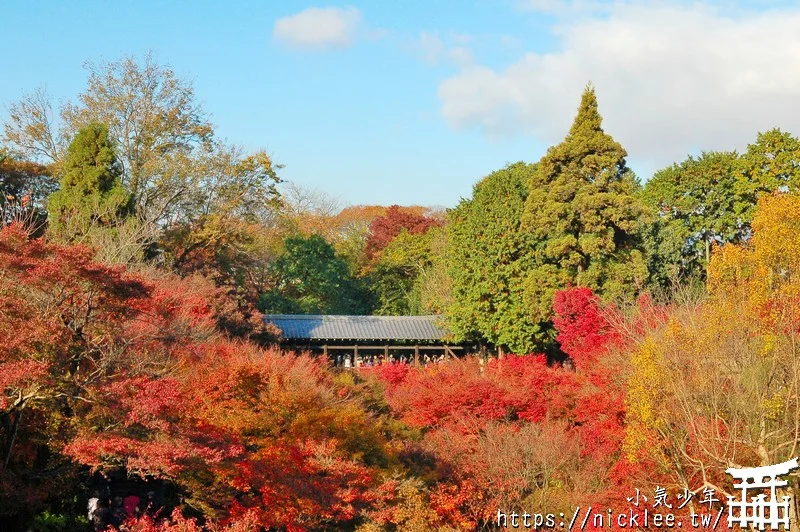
column 433, row 49
column 319, row 28
column 563, row 7
column 669, row 78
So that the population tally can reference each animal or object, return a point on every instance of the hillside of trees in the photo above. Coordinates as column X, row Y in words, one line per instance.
column 653, row 328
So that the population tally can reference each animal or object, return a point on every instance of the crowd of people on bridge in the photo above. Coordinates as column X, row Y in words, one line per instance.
column 346, row 360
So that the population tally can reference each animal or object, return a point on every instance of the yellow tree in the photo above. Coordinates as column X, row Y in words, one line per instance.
column 717, row 387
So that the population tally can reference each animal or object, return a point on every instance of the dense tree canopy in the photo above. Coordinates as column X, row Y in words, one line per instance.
column 62, row 316
column 395, row 277
column 487, row 255
column 91, row 199
column 385, row 228
column 114, row 371
column 710, row 200
column 159, row 372
column 171, row 163
column 309, row 278
column 699, row 205
column 770, row 164
column 581, row 217
column 714, row 385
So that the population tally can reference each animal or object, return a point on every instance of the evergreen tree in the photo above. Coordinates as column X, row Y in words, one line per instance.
column 696, row 204
column 486, row 258
column 395, row 278
column 581, row 217
column 771, row 163
column 711, row 199
column 309, row 278
column 91, row 200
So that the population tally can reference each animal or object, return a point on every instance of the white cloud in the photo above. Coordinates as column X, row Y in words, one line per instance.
column 461, row 38
column 669, row 79
column 319, row 28
column 460, row 55
column 433, row 49
column 565, row 7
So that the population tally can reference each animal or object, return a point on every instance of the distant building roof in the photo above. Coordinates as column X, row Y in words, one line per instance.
column 328, row 327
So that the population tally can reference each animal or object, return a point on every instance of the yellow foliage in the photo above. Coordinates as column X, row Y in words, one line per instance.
column 718, row 383
column 644, row 390
column 775, row 406
column 776, row 239
column 765, row 273
column 768, row 347
column 729, row 268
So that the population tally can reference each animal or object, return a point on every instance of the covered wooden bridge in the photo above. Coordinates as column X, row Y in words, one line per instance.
column 353, row 341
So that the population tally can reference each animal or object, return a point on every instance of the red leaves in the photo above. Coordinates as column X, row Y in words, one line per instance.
column 582, row 328
column 384, row 229
column 452, row 502
column 133, row 372
column 458, row 394
column 439, row 395
column 193, row 427
column 15, row 376
column 178, row 523
column 146, row 401
column 535, row 389
column 306, row 483
column 393, row 374
column 520, row 425
column 159, row 459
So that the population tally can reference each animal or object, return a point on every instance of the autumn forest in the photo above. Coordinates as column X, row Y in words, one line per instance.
column 625, row 334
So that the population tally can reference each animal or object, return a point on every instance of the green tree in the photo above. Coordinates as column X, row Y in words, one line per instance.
column 309, row 278
column 170, row 161
column 581, row 217
column 487, row 255
column 91, row 202
column 771, row 163
column 395, row 277
column 434, row 285
column 697, row 203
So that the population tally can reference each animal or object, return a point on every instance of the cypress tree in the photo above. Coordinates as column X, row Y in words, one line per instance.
column 486, row 258
column 581, row 217
column 91, row 196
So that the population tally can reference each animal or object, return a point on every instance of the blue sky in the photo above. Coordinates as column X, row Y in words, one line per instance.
column 413, row 102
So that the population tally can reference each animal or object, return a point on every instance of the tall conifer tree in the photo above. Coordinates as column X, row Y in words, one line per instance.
column 91, row 198
column 486, row 259
column 582, row 216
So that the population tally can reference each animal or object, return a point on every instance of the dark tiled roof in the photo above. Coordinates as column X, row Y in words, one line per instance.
column 325, row 327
